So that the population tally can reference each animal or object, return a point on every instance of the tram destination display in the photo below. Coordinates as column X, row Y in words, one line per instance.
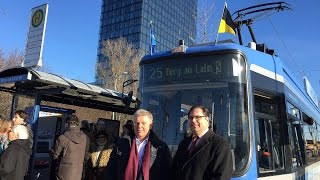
column 198, row 69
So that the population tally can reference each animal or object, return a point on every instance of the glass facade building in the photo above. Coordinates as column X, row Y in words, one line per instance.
column 172, row 20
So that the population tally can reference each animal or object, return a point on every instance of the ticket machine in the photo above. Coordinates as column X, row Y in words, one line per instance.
column 49, row 126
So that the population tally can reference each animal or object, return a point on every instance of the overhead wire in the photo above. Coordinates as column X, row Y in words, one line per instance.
column 286, row 47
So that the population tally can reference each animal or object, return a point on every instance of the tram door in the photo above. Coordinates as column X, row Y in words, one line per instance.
column 268, row 136
column 268, row 155
column 50, row 126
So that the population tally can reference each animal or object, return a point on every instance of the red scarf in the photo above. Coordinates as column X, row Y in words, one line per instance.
column 131, row 172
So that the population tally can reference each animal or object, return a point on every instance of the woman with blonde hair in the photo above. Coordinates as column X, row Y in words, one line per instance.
column 5, row 127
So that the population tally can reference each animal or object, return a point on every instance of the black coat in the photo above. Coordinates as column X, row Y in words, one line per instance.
column 210, row 160
column 160, row 159
column 14, row 161
column 70, row 151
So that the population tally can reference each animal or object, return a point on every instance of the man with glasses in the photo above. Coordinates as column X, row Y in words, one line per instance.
column 204, row 155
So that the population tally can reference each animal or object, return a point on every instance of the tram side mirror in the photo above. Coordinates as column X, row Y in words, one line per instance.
column 127, row 101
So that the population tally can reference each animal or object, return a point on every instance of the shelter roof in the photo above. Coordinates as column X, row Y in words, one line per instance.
column 54, row 88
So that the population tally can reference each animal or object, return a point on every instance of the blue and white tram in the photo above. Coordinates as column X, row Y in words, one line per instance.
column 272, row 123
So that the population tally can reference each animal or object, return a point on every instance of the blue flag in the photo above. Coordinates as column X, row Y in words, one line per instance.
column 153, row 42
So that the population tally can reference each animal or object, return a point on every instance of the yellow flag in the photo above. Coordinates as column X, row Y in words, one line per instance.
column 226, row 23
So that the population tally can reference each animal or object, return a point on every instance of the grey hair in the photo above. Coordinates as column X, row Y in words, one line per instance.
column 143, row 112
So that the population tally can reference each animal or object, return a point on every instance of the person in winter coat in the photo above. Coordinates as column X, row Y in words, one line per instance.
column 70, row 151
column 14, row 161
column 140, row 156
column 100, row 151
column 204, row 155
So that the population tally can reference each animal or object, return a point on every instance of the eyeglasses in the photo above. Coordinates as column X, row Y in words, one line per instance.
column 196, row 117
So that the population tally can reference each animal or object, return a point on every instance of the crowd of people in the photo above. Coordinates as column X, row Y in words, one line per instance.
column 138, row 154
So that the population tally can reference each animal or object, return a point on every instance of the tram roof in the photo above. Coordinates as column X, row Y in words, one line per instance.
column 199, row 48
column 54, row 88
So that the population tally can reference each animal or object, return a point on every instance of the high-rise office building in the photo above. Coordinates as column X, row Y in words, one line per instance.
column 171, row 20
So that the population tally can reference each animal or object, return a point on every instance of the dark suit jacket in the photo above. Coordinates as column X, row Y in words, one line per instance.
column 210, row 160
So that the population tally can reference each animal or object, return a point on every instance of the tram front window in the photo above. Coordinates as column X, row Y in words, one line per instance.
column 226, row 99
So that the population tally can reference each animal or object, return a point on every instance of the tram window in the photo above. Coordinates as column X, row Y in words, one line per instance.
column 317, row 135
column 226, row 103
column 296, row 143
column 265, row 105
column 292, row 145
column 296, row 135
column 293, row 110
column 310, row 143
column 307, row 119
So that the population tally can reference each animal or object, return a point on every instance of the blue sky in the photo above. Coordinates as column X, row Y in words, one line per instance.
column 71, row 40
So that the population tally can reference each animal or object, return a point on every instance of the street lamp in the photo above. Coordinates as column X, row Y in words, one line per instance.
column 116, row 79
column 115, row 86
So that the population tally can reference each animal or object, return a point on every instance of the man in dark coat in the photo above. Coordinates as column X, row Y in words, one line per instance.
column 204, row 155
column 140, row 155
column 70, row 150
column 14, row 161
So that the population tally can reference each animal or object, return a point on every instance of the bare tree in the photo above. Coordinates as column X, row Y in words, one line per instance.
column 14, row 59
column 121, row 61
column 205, row 21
